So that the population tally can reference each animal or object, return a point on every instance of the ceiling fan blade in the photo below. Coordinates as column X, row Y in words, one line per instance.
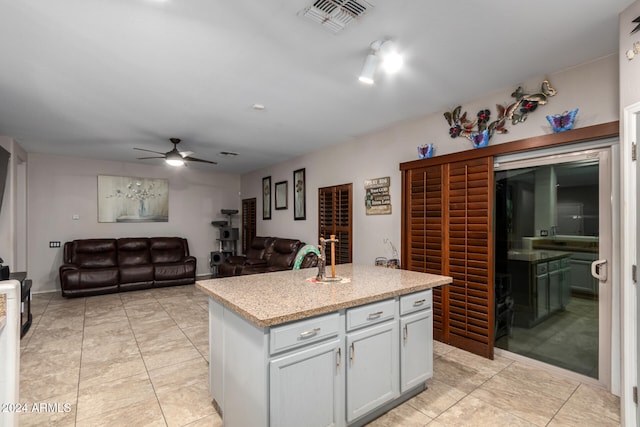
column 185, row 153
column 194, row 159
column 150, row 151
column 144, row 158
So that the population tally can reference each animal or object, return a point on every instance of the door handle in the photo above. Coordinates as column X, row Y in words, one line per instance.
column 599, row 269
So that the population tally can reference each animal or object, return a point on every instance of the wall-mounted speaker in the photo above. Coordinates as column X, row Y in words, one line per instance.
column 216, row 258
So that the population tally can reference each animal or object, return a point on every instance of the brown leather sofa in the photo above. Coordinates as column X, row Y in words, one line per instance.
column 266, row 254
column 102, row 266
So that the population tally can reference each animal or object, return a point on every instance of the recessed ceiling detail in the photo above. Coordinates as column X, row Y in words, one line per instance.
column 336, row 14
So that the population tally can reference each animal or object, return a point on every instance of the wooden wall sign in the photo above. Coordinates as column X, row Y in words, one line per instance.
column 377, row 200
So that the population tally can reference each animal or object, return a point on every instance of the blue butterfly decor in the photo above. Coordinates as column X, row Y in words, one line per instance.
column 564, row 121
column 425, row 151
column 480, row 139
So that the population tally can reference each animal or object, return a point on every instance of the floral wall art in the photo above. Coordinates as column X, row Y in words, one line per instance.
column 128, row 199
column 480, row 129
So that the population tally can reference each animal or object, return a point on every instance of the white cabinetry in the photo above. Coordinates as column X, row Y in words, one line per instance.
column 372, row 365
column 305, row 386
column 581, row 279
column 416, row 348
column 337, row 369
column 306, row 382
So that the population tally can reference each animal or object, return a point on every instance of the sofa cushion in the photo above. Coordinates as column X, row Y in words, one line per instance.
column 90, row 278
column 284, row 254
column 259, row 247
column 94, row 253
column 133, row 251
column 168, row 249
column 136, row 273
column 173, row 271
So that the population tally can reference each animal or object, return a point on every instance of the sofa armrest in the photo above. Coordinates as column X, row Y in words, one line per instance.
column 68, row 267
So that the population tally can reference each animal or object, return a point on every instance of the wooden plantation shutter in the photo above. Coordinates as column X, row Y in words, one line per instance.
column 466, row 195
column 334, row 217
column 248, row 223
column 424, row 237
column 470, row 255
column 447, row 229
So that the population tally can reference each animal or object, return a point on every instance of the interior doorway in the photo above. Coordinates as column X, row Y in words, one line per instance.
column 552, row 252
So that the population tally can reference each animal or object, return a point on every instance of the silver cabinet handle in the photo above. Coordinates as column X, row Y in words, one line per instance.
column 339, row 357
column 352, row 353
column 375, row 315
column 310, row 333
column 419, row 302
column 405, row 333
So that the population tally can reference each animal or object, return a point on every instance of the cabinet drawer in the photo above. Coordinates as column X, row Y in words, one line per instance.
column 370, row 314
column 304, row 332
column 415, row 302
column 542, row 268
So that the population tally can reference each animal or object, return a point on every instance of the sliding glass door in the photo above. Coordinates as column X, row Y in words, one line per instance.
column 552, row 249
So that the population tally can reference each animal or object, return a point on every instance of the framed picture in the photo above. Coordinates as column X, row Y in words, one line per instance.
column 299, row 195
column 266, row 197
column 281, row 195
column 129, row 199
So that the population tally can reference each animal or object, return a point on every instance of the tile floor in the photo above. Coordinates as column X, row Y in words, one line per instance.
column 140, row 358
column 567, row 339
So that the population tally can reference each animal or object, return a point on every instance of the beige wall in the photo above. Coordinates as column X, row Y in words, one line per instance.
column 593, row 87
column 12, row 225
column 629, row 69
column 60, row 187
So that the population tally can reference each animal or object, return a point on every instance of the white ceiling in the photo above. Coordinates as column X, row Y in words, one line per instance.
column 95, row 78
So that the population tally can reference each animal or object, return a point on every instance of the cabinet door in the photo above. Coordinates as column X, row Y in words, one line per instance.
column 306, row 387
column 555, row 290
column 372, row 368
column 416, row 349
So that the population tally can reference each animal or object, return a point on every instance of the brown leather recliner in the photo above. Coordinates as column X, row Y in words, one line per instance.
column 101, row 266
column 266, row 254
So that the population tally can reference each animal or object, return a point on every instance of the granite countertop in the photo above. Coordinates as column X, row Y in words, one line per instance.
column 536, row 255
column 273, row 298
column 3, row 310
column 568, row 243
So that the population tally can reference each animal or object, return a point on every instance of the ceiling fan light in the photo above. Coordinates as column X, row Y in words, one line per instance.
column 174, row 162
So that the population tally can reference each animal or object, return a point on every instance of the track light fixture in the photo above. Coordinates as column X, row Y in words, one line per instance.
column 384, row 54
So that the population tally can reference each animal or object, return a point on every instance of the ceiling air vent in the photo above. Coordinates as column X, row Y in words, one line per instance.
column 336, row 14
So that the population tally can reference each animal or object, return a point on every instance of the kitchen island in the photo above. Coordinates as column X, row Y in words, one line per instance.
column 541, row 284
column 287, row 350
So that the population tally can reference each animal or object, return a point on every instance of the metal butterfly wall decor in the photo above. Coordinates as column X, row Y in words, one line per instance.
column 425, row 151
column 564, row 121
column 516, row 112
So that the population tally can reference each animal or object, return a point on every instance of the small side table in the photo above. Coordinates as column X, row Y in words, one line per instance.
column 25, row 296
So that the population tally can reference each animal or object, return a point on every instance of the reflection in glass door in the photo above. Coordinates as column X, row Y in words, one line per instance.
column 552, row 222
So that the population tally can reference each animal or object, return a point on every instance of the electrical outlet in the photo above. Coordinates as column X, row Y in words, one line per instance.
column 54, row 244
column 544, row 233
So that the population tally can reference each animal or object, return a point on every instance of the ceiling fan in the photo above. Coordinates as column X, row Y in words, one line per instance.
column 175, row 157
